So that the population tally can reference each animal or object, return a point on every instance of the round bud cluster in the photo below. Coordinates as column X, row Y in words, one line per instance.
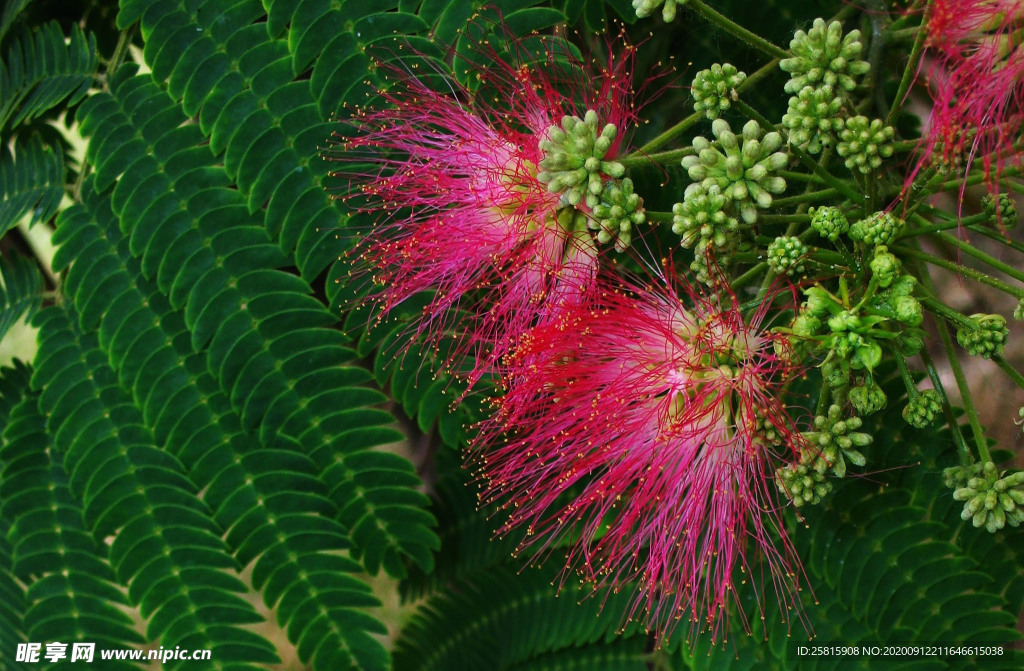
column 1001, row 208
column 701, row 217
column 863, row 143
column 619, row 210
column 742, row 167
column 786, row 255
column 922, row 409
column 714, row 89
column 829, row 222
column 645, row 8
column 805, row 325
column 813, row 118
column 984, row 335
column 881, row 228
column 900, row 299
column 836, row 440
column 885, row 267
column 573, row 161
column 991, row 500
column 867, row 399
column 802, row 484
column 824, row 57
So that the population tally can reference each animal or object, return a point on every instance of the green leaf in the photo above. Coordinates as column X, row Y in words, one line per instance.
column 21, row 293
column 43, row 69
column 31, row 181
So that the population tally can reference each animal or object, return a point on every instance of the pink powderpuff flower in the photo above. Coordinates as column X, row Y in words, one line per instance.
column 977, row 81
column 634, row 432
column 453, row 177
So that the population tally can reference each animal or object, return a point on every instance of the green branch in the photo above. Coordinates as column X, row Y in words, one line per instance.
column 736, row 30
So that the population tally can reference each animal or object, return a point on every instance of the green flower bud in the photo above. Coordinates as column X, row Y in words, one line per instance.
column 847, row 320
column 867, row 399
column 702, row 217
column 1018, row 312
column 908, row 310
column 863, row 143
column 819, row 302
column 1001, row 208
column 991, row 499
column 714, row 90
column 802, row 484
column 786, row 254
column 806, row 325
column 645, row 8
column 885, row 267
column 743, row 168
column 881, row 228
column 985, row 336
column 619, row 210
column 813, row 118
column 573, row 162
column 829, row 222
column 835, row 374
column 836, row 440
column 922, row 409
column 910, row 342
column 867, row 353
column 824, row 57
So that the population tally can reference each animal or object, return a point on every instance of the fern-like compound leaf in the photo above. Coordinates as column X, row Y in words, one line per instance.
column 270, row 501
column 71, row 586
column 21, row 293
column 14, row 385
column 264, row 338
column 43, row 69
column 31, row 181
column 167, row 549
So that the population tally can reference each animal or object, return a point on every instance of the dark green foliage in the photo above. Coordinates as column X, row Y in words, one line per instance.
column 39, row 71
column 20, row 295
column 71, row 584
column 290, row 532
column 167, row 547
column 503, row 616
column 31, row 181
column 190, row 358
column 13, row 385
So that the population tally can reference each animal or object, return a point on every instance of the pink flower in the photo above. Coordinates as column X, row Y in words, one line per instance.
column 453, row 177
column 635, row 434
column 977, row 81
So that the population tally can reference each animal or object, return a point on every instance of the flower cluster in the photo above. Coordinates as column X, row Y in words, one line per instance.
column 976, row 74
column 640, row 427
column 743, row 167
column 634, row 429
column 469, row 191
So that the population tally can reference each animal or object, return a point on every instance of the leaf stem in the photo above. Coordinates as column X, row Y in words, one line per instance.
column 666, row 136
column 966, row 458
column 968, row 272
column 638, row 158
column 958, row 372
column 987, row 259
column 658, row 216
column 746, row 277
column 908, row 380
column 811, row 197
column 1012, row 372
column 751, row 39
column 965, row 392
